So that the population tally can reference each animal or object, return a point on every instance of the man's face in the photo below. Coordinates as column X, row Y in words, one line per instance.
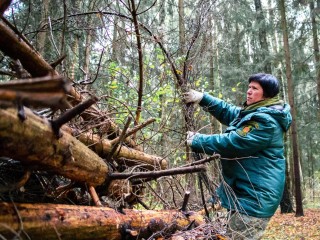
column 254, row 93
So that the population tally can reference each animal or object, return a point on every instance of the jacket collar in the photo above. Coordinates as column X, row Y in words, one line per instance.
column 264, row 103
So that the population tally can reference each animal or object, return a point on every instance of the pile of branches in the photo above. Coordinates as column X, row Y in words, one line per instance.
column 64, row 163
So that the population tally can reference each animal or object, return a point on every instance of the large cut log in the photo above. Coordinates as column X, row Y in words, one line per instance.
column 49, row 221
column 13, row 45
column 33, row 143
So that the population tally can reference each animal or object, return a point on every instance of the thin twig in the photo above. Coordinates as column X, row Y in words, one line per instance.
column 202, row 161
column 120, row 139
column 52, row 38
column 134, row 130
column 94, row 196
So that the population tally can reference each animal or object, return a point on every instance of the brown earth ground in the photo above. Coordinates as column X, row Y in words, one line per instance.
column 289, row 227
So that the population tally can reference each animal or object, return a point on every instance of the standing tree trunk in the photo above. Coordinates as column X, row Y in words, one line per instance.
column 74, row 45
column 87, row 53
column 294, row 135
column 214, row 69
column 114, row 45
column 286, row 202
column 316, row 50
column 164, row 141
column 262, row 36
column 73, row 64
column 42, row 36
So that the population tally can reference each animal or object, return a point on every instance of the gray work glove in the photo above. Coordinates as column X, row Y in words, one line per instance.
column 190, row 136
column 192, row 96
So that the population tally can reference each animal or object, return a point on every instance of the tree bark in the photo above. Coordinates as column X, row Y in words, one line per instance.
column 88, row 43
column 42, row 36
column 262, row 36
column 294, row 134
column 33, row 143
column 34, row 221
column 134, row 14
column 123, row 154
column 315, row 50
column 13, row 46
column 286, row 205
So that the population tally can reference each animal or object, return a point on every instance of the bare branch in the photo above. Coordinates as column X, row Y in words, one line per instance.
column 157, row 174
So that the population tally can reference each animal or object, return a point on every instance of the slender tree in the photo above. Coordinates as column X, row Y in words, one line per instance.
column 286, row 204
column 294, row 134
column 74, row 45
column 315, row 50
column 88, row 44
column 42, row 36
column 134, row 13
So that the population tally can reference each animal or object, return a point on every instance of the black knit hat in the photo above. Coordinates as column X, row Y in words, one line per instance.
column 268, row 82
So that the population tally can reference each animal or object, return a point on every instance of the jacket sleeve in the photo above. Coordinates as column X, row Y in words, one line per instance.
column 243, row 141
column 224, row 112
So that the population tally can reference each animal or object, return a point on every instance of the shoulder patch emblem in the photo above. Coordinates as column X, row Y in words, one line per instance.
column 244, row 130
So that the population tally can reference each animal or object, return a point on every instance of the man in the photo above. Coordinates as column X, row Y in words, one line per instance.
column 252, row 153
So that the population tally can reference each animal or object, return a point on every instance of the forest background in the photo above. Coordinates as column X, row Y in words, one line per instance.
column 139, row 57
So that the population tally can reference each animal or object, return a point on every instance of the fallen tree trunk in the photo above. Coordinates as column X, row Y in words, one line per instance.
column 33, row 143
column 103, row 146
column 50, row 221
column 32, row 61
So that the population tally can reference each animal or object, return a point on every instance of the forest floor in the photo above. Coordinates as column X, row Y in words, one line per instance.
column 289, row 227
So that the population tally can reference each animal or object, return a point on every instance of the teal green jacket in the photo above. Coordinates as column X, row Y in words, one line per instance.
column 252, row 153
